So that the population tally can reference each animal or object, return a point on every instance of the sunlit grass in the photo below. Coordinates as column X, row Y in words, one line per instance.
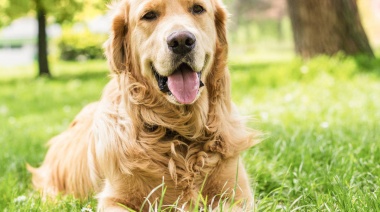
column 320, row 119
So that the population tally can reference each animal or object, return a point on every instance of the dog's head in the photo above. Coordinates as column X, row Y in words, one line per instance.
column 169, row 45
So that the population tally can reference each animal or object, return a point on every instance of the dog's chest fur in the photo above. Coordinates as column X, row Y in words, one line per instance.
column 182, row 164
column 159, row 143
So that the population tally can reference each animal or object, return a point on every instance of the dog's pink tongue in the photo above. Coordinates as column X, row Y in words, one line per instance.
column 184, row 84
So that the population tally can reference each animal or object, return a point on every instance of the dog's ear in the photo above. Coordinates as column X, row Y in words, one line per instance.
column 221, row 17
column 220, row 71
column 116, row 45
column 218, row 84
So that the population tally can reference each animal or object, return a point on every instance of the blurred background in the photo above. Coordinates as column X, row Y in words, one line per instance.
column 44, row 32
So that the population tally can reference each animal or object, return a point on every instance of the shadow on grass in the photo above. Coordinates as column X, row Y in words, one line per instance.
column 83, row 76
column 362, row 64
column 368, row 64
column 253, row 66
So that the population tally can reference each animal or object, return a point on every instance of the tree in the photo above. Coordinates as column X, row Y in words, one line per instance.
column 60, row 10
column 327, row 27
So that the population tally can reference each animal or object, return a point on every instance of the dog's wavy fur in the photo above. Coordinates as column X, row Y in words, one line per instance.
column 133, row 139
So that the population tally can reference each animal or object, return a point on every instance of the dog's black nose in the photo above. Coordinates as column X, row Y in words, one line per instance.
column 181, row 42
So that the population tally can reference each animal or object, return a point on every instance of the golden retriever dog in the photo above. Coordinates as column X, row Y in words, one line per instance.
column 165, row 118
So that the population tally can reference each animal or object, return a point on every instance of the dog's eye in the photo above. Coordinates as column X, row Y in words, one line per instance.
column 150, row 16
column 197, row 9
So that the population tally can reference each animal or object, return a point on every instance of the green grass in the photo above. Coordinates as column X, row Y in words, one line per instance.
column 320, row 119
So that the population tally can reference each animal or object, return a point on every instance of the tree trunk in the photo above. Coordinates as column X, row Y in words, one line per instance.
column 42, row 42
column 327, row 27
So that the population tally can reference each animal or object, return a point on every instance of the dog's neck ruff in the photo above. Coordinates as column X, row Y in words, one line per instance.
column 158, row 139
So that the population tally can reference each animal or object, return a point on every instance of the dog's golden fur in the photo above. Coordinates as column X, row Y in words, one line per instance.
column 136, row 137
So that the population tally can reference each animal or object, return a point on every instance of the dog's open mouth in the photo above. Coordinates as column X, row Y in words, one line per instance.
column 183, row 83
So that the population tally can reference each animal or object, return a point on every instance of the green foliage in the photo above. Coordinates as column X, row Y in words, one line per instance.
column 81, row 45
column 13, row 9
column 60, row 10
column 320, row 117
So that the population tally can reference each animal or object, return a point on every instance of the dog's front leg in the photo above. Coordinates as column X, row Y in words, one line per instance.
column 118, row 200
column 228, row 187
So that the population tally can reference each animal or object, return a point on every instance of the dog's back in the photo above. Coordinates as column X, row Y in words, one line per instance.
column 65, row 168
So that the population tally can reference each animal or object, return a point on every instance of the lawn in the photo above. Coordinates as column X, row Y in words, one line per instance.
column 320, row 120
